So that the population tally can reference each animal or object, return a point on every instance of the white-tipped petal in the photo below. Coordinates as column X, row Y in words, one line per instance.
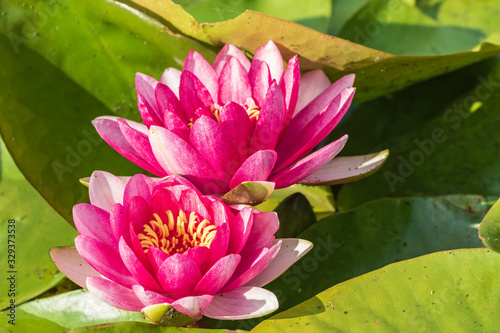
column 192, row 305
column 292, row 249
column 70, row 263
column 105, row 190
column 242, row 303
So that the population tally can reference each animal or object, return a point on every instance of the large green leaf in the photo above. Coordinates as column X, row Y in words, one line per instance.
column 442, row 135
column 66, row 311
column 489, row 230
column 401, row 27
column 311, row 13
column 295, row 214
column 99, row 44
column 378, row 73
column 378, row 233
column 29, row 227
column 452, row 291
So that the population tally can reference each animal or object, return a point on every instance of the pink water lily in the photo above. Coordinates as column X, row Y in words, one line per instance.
column 235, row 121
column 144, row 242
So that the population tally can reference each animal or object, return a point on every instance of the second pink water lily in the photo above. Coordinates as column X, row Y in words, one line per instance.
column 234, row 121
column 144, row 242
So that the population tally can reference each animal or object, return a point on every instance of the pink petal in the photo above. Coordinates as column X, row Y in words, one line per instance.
column 166, row 98
column 118, row 221
column 269, row 54
column 308, row 165
column 234, row 84
column 135, row 245
column 105, row 190
column 175, row 124
column 192, row 305
column 94, row 222
column 178, row 275
column 242, row 303
column 221, row 213
column 272, row 115
column 114, row 294
column 218, row 275
column 193, row 94
column 111, row 131
column 198, row 255
column 257, row 167
column 312, row 84
column 196, row 64
column 138, row 185
column 140, row 143
column 149, row 297
column 178, row 157
column 252, row 263
column 218, row 247
column 156, row 258
column 265, row 225
column 227, row 52
column 175, row 181
column 313, row 134
column 172, row 78
column 210, row 141
column 190, row 202
column 139, row 213
column 304, row 117
column 240, row 228
column 149, row 115
column 261, row 81
column 136, row 268
column 145, row 86
column 290, row 86
column 71, row 264
column 237, row 127
column 291, row 250
column 103, row 259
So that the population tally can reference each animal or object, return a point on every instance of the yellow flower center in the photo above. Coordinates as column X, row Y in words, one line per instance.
column 178, row 234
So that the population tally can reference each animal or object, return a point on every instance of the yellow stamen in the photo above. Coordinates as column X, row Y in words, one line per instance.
column 178, row 234
column 253, row 112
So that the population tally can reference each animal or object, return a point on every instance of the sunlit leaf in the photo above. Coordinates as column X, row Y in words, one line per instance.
column 452, row 291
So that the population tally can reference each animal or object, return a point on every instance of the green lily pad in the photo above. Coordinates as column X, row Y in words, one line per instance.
column 66, row 311
column 402, row 28
column 452, row 291
column 295, row 214
column 489, row 230
column 349, row 244
column 442, row 136
column 29, row 227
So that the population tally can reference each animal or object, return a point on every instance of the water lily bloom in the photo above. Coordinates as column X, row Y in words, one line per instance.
column 234, row 121
column 153, row 241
